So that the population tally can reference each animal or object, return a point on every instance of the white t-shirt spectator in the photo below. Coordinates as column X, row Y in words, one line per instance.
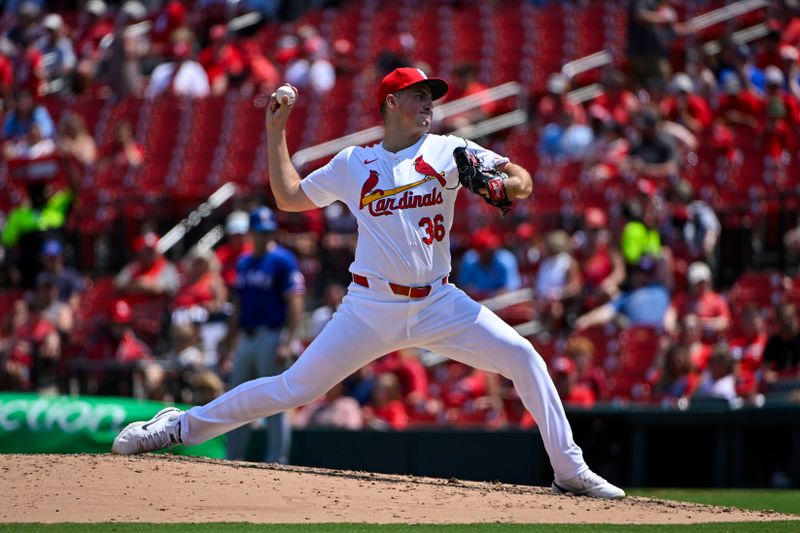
column 190, row 80
column 319, row 76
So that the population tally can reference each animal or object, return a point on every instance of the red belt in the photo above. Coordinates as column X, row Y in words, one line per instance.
column 402, row 290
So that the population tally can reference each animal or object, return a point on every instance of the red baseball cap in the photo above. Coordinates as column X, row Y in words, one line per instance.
column 401, row 78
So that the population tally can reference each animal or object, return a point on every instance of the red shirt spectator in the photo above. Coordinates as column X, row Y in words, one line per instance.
column 222, row 61
column 117, row 341
column 776, row 137
column 171, row 17
column 571, row 392
column 409, row 371
column 708, row 306
column 263, row 73
column 150, row 273
column 556, row 102
column 748, row 349
column 456, row 384
column 740, row 106
column 92, row 26
column 386, row 409
column 620, row 103
column 686, row 108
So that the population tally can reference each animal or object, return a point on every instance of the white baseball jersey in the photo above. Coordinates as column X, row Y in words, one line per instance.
column 403, row 202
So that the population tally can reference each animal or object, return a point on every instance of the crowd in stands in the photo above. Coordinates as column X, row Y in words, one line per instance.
column 627, row 301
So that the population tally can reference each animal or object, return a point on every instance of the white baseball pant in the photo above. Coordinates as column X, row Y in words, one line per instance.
column 374, row 321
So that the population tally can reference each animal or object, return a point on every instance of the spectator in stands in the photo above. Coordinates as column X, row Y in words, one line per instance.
column 91, row 28
column 107, row 356
column 558, row 281
column 124, row 153
column 331, row 300
column 344, row 59
column 782, row 352
column 702, row 301
column 620, row 103
column 386, row 409
column 58, row 313
column 580, row 351
column 653, row 154
column 312, row 70
column 25, row 13
column 237, row 244
column 15, row 361
column 565, row 139
column 602, row 268
column 685, row 107
column 223, row 61
column 67, row 280
column 73, row 139
column 776, row 136
column 748, row 349
column 35, row 351
column 651, row 25
column 123, row 56
column 171, row 16
column 739, row 107
column 6, row 72
column 776, row 81
column 694, row 223
column 571, row 392
column 406, row 365
column 29, row 73
column 639, row 238
column 59, row 59
column 675, row 378
column 487, row 268
column 609, row 149
column 690, row 336
column 202, row 301
column 718, row 380
column 262, row 72
column 182, row 76
column 187, row 349
column 25, row 114
column 33, row 146
column 334, row 410
column 41, row 216
column 644, row 303
column 556, row 101
column 149, row 273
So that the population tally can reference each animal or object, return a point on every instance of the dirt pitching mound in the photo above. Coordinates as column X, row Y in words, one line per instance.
column 166, row 488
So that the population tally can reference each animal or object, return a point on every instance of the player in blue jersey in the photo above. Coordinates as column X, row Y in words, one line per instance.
column 269, row 293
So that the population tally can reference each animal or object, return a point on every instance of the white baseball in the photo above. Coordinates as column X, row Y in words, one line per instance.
column 285, row 90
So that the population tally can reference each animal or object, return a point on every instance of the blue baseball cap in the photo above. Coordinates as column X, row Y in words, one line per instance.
column 52, row 247
column 262, row 220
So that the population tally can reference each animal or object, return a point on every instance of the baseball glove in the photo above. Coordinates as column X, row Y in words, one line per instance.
column 474, row 176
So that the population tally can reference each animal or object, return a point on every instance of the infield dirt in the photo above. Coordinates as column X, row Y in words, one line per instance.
column 167, row 488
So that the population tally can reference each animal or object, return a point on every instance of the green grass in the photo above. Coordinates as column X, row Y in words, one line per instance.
column 750, row 527
column 784, row 501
